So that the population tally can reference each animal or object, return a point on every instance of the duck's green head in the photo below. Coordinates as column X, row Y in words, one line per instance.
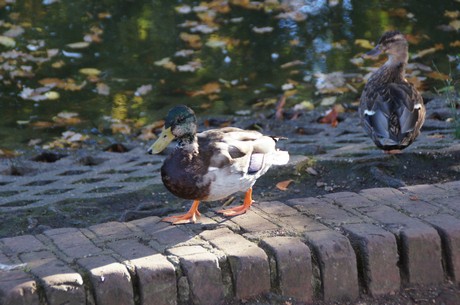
column 180, row 123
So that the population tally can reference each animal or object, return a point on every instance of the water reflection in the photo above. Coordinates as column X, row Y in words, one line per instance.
column 245, row 47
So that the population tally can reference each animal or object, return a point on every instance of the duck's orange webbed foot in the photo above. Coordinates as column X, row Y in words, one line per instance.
column 241, row 209
column 189, row 217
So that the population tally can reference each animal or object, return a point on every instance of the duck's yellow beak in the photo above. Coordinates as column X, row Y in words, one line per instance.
column 163, row 141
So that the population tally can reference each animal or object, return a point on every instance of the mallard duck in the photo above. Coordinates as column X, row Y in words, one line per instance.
column 213, row 164
column 391, row 109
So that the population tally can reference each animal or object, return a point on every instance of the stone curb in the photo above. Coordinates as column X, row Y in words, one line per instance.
column 332, row 248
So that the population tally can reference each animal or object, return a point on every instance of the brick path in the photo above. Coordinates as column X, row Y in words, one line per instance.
column 333, row 247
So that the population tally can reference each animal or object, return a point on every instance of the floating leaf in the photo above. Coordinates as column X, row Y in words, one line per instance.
column 14, row 31
column 204, row 28
column 193, row 40
column 455, row 24
column 183, row 9
column 166, row 63
column 452, row 14
column 438, row 75
column 78, row 45
column 364, row 43
column 7, row 41
column 283, row 185
column 292, row 64
column 184, row 53
column 425, row 52
column 143, row 90
column 52, row 95
column 90, row 71
column 209, row 88
column 102, row 89
column 262, row 30
column 399, row 12
column 191, row 66
column 58, row 64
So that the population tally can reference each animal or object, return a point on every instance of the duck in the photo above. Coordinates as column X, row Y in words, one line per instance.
column 391, row 109
column 213, row 164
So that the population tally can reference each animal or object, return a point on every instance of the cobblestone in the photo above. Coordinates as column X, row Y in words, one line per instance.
column 331, row 248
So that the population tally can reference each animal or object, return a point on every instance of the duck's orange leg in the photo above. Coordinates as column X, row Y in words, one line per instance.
column 188, row 217
column 241, row 209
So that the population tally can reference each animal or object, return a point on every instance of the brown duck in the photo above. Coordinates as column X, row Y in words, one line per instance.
column 391, row 109
column 213, row 164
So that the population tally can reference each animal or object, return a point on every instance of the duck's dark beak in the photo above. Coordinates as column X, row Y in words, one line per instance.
column 162, row 142
column 374, row 52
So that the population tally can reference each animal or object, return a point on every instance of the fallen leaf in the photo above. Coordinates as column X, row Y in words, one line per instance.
column 193, row 40
column 452, row 14
column 456, row 43
column 327, row 101
column 191, row 66
column 207, row 89
column 184, row 53
column 52, row 95
column 203, row 28
column 58, row 64
column 438, row 75
column 42, row 124
column 78, row 45
column 455, row 24
column 166, row 63
column 104, row 15
column 398, row 12
column 283, row 185
column 262, row 30
column 413, row 198
column 7, row 41
column 425, row 52
column 102, row 89
column 7, row 153
column 183, row 9
column 331, row 117
column 90, row 71
column 143, row 90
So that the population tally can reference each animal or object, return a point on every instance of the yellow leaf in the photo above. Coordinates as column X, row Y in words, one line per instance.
column 456, row 43
column 364, row 43
column 193, row 40
column 425, row 52
column 455, row 24
column 166, row 63
column 78, row 45
column 283, row 185
column 58, row 64
column 52, row 95
column 452, row 14
column 7, row 42
column 438, row 75
column 90, row 71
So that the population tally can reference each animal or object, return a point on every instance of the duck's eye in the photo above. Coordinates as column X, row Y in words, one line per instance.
column 180, row 119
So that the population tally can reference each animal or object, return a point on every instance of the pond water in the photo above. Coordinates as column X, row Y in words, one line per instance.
column 222, row 57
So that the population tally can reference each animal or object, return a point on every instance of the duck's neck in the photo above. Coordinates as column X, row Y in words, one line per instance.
column 188, row 143
column 397, row 61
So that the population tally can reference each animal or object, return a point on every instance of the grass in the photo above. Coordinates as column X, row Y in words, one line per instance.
column 450, row 92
